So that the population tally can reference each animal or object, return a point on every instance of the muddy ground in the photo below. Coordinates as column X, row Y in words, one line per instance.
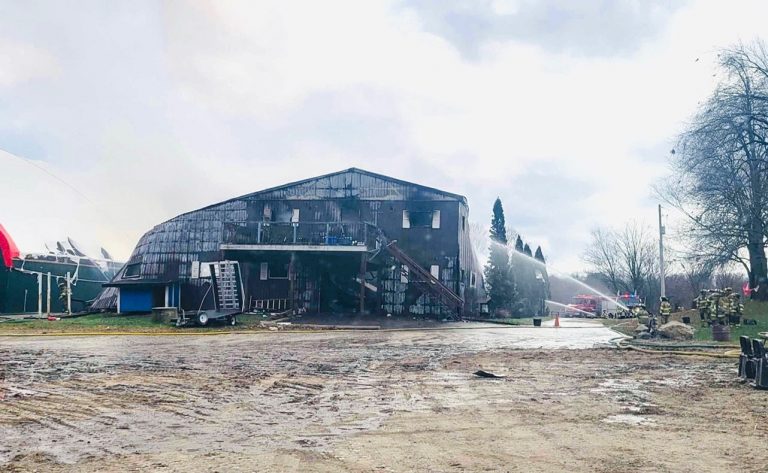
column 374, row 401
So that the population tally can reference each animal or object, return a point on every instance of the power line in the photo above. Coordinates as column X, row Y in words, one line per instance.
column 52, row 175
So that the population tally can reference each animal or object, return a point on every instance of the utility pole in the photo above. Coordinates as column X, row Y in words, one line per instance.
column 69, row 294
column 49, row 294
column 661, row 254
column 39, row 294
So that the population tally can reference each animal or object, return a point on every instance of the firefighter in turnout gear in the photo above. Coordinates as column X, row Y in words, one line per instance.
column 724, row 311
column 63, row 291
column 713, row 302
column 665, row 309
column 703, row 306
column 737, row 309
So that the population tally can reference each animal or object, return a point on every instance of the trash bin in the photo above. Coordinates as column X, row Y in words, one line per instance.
column 721, row 333
column 537, row 322
column 163, row 314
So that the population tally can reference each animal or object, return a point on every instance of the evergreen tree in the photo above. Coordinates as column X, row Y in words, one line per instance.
column 527, row 250
column 498, row 224
column 540, row 255
column 498, row 272
column 519, row 244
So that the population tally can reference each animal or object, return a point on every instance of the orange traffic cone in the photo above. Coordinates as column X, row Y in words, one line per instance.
column 557, row 320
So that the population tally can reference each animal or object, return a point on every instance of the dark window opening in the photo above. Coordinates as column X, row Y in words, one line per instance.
column 278, row 271
column 132, row 270
column 463, row 223
column 420, row 219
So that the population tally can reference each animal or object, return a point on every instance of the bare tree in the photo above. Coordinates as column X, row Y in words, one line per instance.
column 603, row 255
column 720, row 167
column 698, row 273
column 626, row 260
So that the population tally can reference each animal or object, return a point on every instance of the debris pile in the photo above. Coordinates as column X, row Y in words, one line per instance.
column 676, row 331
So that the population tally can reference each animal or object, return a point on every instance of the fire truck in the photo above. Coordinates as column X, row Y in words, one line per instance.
column 593, row 306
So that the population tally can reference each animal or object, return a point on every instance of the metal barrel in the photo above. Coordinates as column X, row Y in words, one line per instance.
column 721, row 333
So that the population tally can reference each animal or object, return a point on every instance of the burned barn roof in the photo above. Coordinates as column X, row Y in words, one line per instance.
column 350, row 183
column 168, row 250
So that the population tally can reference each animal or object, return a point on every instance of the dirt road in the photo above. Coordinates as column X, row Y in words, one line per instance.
column 374, row 401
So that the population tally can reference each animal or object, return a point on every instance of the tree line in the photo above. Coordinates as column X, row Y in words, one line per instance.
column 516, row 278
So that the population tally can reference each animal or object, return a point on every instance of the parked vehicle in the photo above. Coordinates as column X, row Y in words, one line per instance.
column 594, row 306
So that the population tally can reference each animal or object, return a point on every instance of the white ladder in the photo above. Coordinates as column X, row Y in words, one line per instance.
column 227, row 285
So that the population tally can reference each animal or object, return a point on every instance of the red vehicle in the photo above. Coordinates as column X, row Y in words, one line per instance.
column 591, row 306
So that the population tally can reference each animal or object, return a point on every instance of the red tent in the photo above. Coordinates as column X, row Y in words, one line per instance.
column 8, row 248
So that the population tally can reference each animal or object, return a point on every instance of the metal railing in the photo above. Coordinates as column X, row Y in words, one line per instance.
column 301, row 233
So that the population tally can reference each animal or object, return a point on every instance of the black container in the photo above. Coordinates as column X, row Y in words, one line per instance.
column 721, row 333
column 537, row 322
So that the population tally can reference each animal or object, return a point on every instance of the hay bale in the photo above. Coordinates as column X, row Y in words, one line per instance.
column 676, row 331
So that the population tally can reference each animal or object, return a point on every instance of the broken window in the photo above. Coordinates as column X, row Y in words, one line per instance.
column 421, row 219
column 472, row 280
column 267, row 213
column 404, row 274
column 278, row 271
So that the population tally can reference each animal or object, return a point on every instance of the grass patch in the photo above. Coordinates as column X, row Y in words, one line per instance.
column 752, row 310
column 755, row 310
column 114, row 323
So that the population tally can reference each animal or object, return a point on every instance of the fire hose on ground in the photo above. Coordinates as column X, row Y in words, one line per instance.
column 622, row 343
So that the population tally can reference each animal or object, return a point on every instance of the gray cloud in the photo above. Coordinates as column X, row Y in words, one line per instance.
column 584, row 27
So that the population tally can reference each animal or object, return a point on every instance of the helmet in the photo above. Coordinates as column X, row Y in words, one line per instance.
column 664, row 299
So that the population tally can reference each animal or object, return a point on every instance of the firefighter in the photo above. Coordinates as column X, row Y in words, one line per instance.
column 716, row 315
column 64, row 291
column 702, row 304
column 665, row 309
column 713, row 304
column 737, row 308
column 725, row 306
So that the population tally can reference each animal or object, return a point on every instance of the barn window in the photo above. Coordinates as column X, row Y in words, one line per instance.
column 463, row 223
column 267, row 213
column 295, row 216
column 435, row 219
column 278, row 271
column 264, row 271
column 472, row 280
column 421, row 219
column 434, row 270
column 132, row 271
column 404, row 274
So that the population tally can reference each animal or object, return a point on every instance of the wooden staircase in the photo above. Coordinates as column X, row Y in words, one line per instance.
column 426, row 281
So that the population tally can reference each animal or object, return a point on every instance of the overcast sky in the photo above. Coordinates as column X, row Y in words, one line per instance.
column 566, row 110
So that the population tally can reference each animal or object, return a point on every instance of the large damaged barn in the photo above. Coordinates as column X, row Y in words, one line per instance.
column 351, row 241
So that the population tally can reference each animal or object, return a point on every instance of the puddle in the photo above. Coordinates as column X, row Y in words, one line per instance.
column 628, row 419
